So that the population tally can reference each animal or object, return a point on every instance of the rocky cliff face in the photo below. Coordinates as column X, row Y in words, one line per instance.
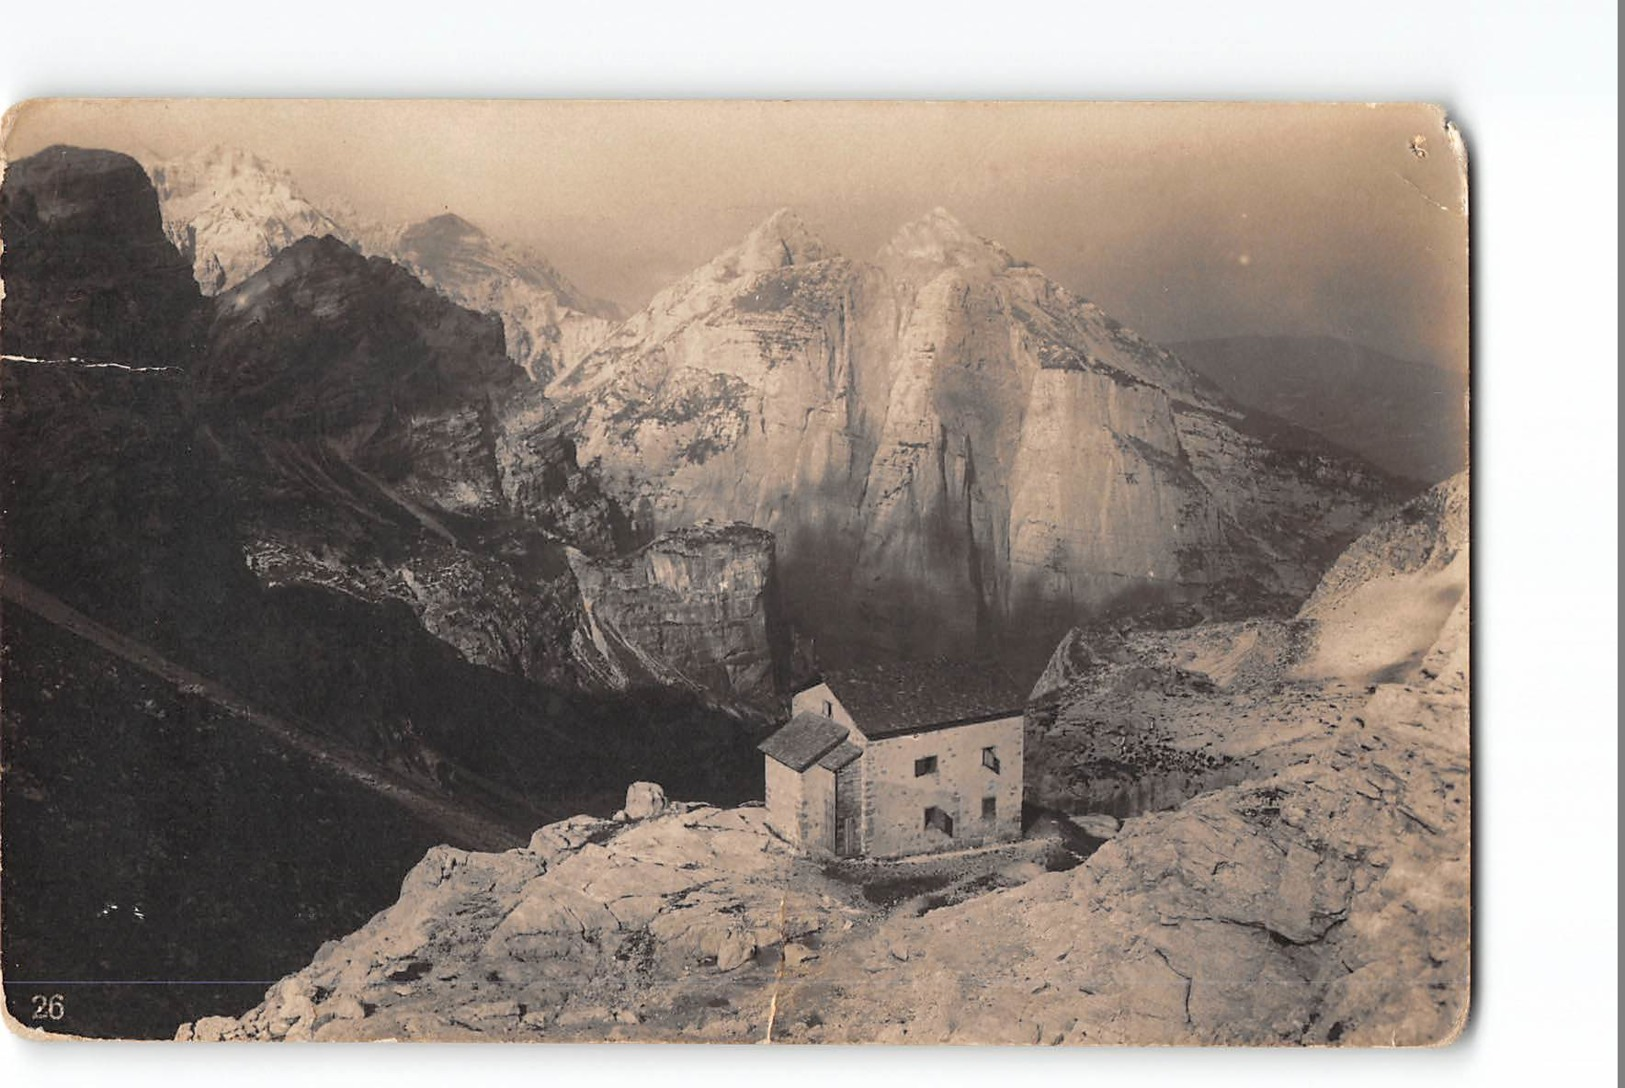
column 94, row 277
column 362, row 411
column 1139, row 720
column 1320, row 898
column 952, row 450
column 697, row 606
column 326, row 347
column 229, row 212
column 548, row 322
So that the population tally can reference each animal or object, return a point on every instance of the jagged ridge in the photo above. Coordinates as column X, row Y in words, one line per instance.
column 952, row 450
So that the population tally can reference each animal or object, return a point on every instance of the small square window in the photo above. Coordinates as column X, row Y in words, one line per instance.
column 990, row 808
column 829, row 709
column 940, row 820
column 990, row 759
column 923, row 767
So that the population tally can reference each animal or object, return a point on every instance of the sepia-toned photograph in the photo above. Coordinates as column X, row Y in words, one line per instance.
column 735, row 572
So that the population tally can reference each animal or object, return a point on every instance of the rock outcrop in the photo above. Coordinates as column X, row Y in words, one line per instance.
column 953, row 451
column 89, row 274
column 697, row 605
column 1137, row 721
column 644, row 801
column 597, row 930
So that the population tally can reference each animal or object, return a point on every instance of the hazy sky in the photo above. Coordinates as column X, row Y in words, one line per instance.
column 1183, row 220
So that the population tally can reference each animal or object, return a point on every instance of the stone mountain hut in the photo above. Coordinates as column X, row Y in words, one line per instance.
column 890, row 760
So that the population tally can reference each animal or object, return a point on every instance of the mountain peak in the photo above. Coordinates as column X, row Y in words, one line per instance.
column 212, row 166
column 780, row 240
column 942, row 220
column 939, row 238
column 448, row 222
column 427, row 239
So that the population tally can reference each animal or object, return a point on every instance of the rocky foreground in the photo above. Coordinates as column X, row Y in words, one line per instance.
column 1321, row 897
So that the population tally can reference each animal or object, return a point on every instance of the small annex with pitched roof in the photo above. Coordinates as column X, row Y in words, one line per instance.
column 899, row 759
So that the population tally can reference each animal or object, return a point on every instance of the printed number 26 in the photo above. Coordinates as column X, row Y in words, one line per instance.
column 49, row 1008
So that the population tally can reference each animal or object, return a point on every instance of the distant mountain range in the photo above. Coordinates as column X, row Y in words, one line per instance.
column 230, row 212
column 1405, row 417
column 954, row 453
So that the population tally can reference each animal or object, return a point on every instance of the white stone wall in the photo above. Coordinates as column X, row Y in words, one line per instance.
column 783, row 799
column 801, row 807
column 895, row 800
column 818, row 808
column 813, row 700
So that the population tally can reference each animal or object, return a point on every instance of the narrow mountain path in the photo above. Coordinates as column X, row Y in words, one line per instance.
column 463, row 827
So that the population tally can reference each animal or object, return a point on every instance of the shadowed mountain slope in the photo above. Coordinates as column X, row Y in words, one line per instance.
column 1407, row 418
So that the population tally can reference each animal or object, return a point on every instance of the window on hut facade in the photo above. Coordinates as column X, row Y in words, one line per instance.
column 923, row 767
column 829, row 709
column 990, row 808
column 990, row 759
column 935, row 817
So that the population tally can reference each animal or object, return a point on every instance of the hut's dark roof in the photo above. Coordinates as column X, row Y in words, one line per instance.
column 908, row 696
column 802, row 741
column 840, row 756
column 801, row 685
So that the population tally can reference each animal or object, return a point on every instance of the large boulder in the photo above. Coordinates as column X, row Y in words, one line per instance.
column 644, row 800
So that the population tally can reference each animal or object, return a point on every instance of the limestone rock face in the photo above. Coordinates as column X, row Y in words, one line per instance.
column 229, row 212
column 89, row 274
column 700, row 605
column 598, row 930
column 386, row 461
column 549, row 324
column 953, row 451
